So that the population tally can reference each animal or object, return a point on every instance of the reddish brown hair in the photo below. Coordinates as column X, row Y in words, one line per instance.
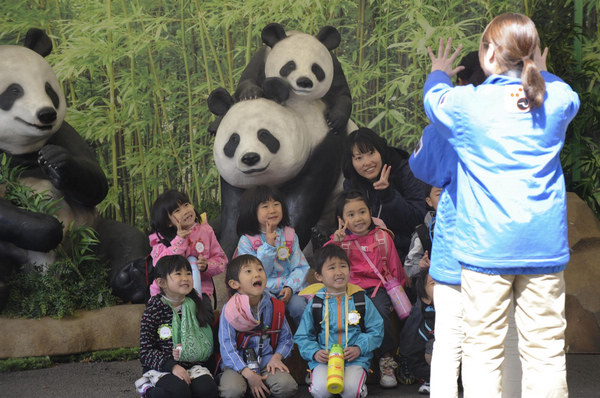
column 515, row 39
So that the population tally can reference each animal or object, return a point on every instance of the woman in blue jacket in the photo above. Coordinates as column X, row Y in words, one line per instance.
column 510, row 233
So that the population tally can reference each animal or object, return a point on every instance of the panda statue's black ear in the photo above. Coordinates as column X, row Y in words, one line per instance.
column 276, row 89
column 272, row 34
column 330, row 37
column 38, row 41
column 219, row 101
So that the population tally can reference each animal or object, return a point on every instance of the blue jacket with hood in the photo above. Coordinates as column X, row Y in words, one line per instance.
column 510, row 199
column 309, row 343
column 434, row 161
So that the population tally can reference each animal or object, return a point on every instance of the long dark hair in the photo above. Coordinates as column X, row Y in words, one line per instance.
column 366, row 140
column 247, row 222
column 169, row 264
column 515, row 40
column 164, row 205
column 346, row 196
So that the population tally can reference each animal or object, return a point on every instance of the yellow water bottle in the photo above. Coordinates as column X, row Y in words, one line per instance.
column 335, row 370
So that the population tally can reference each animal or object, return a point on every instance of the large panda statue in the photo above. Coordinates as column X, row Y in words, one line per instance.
column 264, row 141
column 55, row 158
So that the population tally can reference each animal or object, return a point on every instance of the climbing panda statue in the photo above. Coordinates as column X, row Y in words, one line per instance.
column 56, row 159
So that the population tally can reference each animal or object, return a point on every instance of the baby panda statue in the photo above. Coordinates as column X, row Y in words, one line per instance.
column 310, row 68
column 54, row 158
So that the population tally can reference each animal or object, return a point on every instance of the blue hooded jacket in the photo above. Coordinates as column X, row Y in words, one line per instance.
column 309, row 343
column 511, row 199
column 434, row 161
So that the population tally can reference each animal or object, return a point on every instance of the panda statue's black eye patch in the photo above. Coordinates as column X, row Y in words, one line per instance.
column 231, row 145
column 287, row 69
column 269, row 140
column 10, row 95
column 319, row 72
column 52, row 94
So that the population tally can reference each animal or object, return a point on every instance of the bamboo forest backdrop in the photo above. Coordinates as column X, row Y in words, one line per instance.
column 137, row 73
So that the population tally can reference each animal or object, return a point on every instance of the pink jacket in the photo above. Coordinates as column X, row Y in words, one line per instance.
column 361, row 273
column 201, row 240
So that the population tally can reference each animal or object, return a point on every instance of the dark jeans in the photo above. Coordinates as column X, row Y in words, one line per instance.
column 171, row 386
column 384, row 306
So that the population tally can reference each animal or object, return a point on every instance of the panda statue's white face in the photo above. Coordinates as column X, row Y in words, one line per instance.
column 32, row 103
column 304, row 62
column 259, row 142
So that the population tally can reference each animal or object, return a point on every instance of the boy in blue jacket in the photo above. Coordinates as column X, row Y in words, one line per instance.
column 253, row 360
column 339, row 313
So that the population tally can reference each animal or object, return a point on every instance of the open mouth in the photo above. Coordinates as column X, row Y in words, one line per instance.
column 257, row 284
column 254, row 171
column 44, row 127
column 301, row 91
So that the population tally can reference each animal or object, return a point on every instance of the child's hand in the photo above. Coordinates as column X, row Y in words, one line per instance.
column 322, row 356
column 271, row 233
column 180, row 372
column 255, row 381
column 540, row 58
column 383, row 183
column 202, row 263
column 442, row 61
column 425, row 261
column 351, row 353
column 340, row 234
column 286, row 294
column 177, row 352
column 181, row 232
column 276, row 363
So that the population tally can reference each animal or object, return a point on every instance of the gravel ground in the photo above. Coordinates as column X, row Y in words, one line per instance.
column 115, row 379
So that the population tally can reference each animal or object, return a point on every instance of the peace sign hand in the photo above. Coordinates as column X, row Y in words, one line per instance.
column 443, row 61
column 340, row 234
column 271, row 233
column 383, row 182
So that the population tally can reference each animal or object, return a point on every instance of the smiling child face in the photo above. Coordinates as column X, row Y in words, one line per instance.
column 335, row 275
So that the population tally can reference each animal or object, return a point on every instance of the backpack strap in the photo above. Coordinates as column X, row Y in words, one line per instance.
column 277, row 321
column 359, row 304
column 289, row 234
column 383, row 249
column 422, row 231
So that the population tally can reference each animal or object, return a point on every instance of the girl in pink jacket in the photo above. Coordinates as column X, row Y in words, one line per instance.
column 361, row 239
column 177, row 231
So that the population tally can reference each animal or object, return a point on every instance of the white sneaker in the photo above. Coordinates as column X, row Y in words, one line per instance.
column 387, row 369
column 425, row 389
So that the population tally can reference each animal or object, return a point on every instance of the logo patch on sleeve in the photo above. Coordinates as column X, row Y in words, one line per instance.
column 515, row 99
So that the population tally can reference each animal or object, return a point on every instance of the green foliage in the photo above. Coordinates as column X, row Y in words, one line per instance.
column 30, row 363
column 77, row 280
column 138, row 77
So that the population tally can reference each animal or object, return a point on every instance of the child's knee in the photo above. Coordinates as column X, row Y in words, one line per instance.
column 282, row 385
column 232, row 385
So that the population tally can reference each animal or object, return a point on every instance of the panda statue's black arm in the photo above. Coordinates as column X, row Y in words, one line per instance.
column 308, row 193
column 338, row 99
column 71, row 166
column 252, row 78
column 230, row 198
column 28, row 230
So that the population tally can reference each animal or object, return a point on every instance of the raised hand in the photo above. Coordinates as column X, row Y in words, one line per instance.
column 540, row 58
column 383, row 183
column 182, row 232
column 271, row 233
column 340, row 234
column 443, row 61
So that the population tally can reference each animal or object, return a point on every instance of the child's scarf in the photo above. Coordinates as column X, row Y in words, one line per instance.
column 196, row 341
column 239, row 314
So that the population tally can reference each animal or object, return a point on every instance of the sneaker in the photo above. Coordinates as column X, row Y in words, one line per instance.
column 425, row 389
column 405, row 376
column 387, row 369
